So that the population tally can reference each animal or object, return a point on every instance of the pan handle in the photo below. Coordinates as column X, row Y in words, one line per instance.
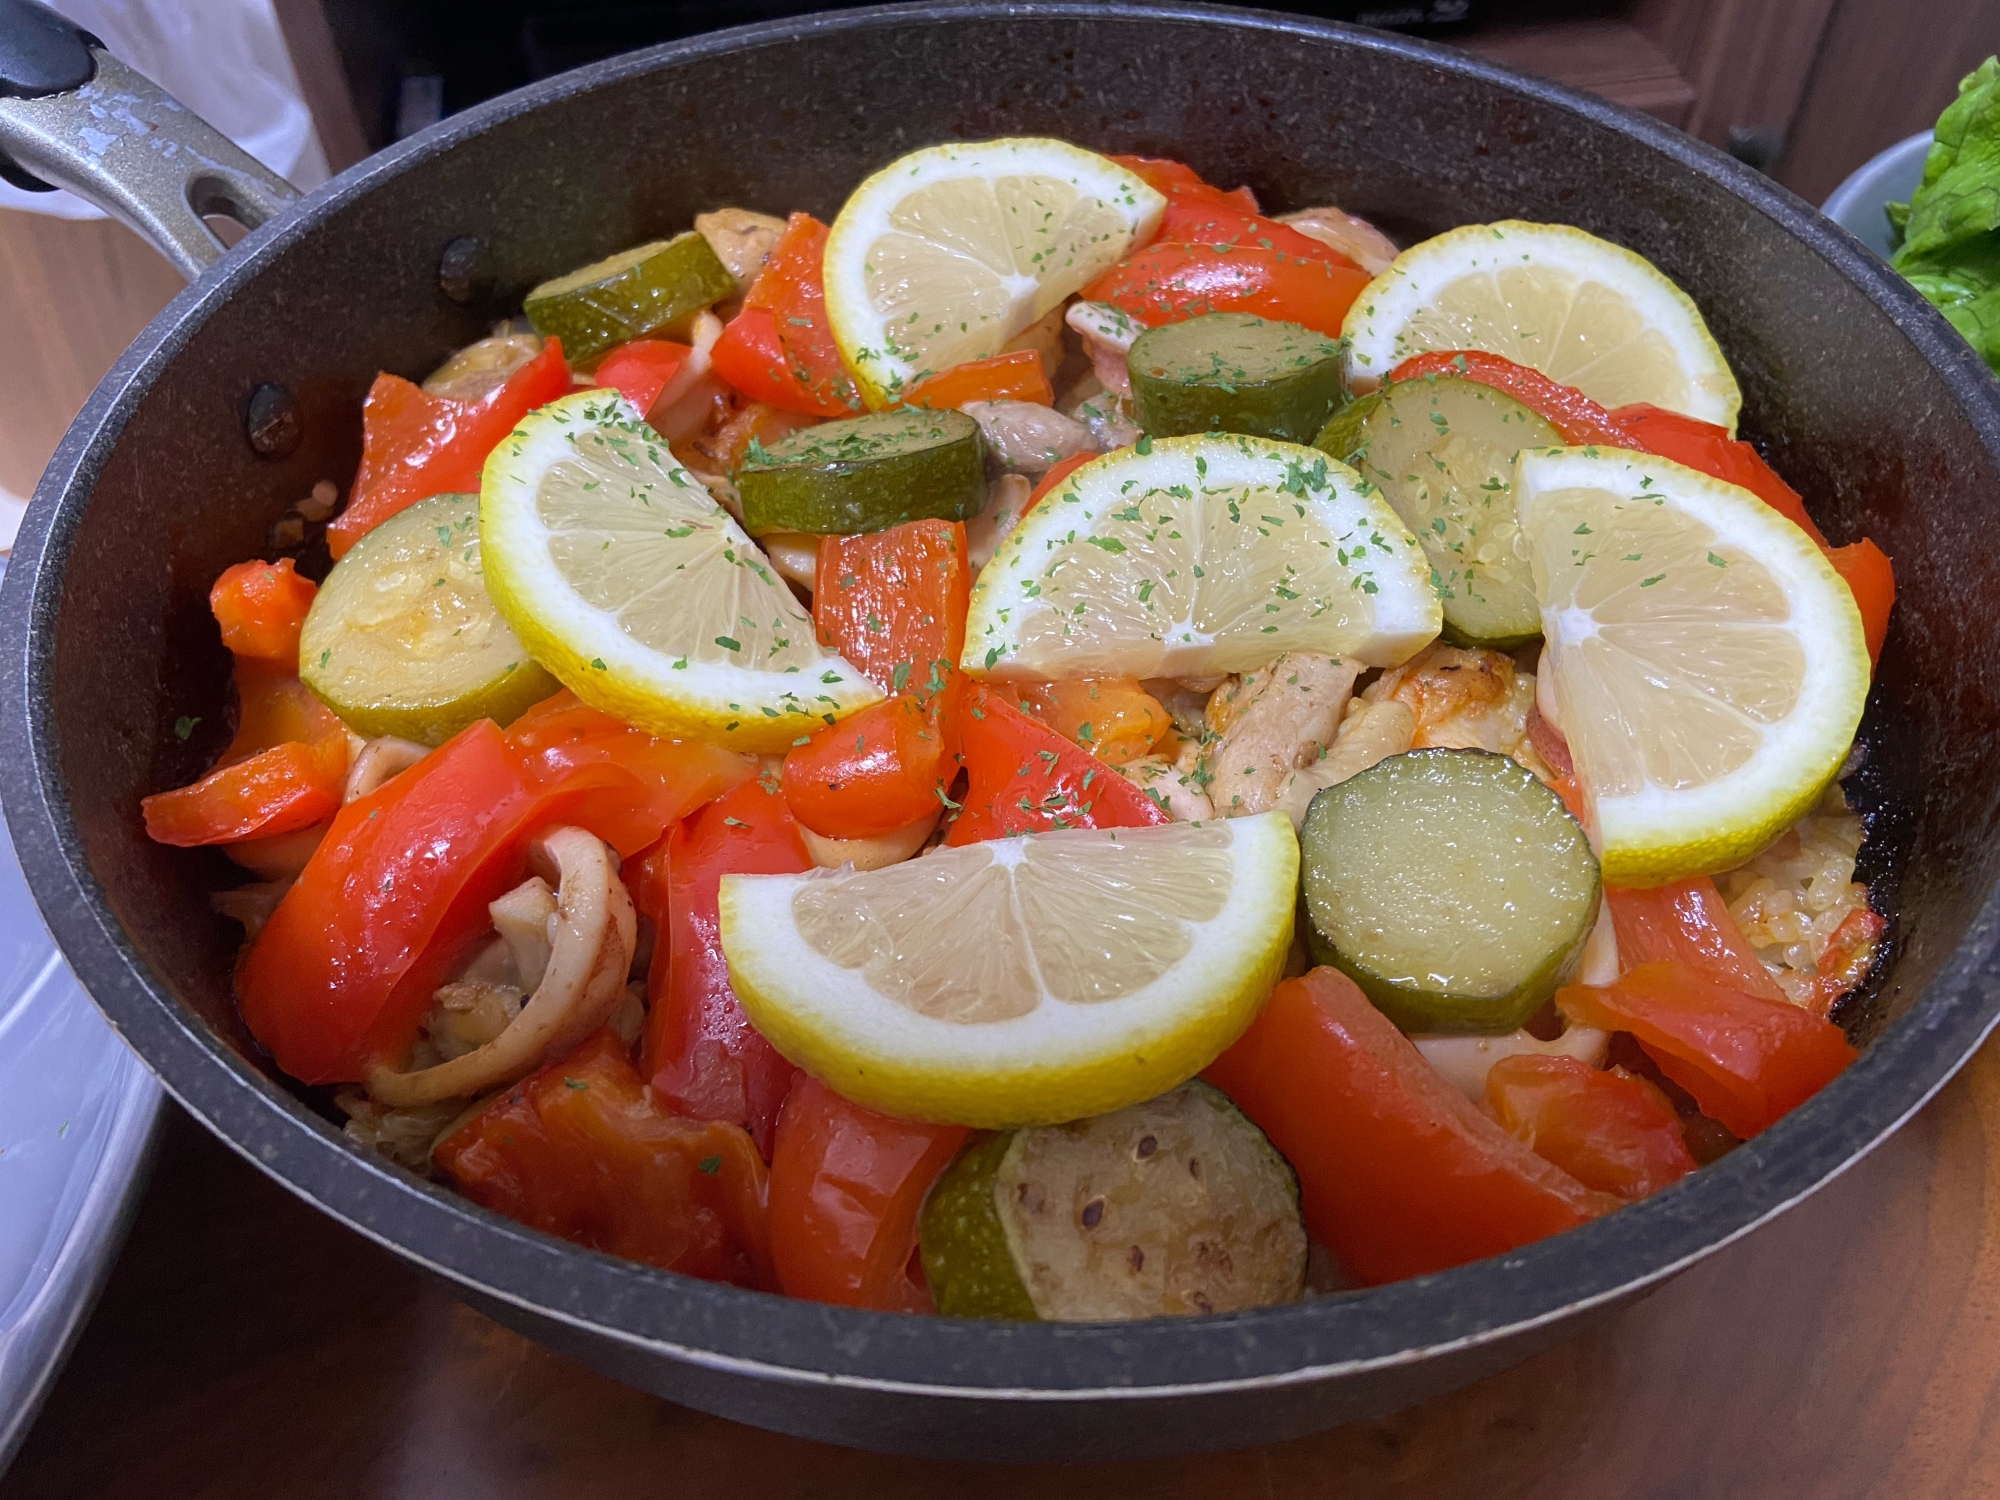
column 73, row 116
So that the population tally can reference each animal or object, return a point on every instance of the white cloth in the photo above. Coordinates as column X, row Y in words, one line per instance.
column 223, row 59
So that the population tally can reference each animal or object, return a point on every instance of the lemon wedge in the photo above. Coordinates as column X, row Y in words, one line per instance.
column 1191, row 556
column 1026, row 981
column 627, row 581
column 1581, row 310
column 947, row 253
column 1710, row 668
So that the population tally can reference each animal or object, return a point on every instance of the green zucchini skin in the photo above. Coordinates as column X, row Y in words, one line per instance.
column 1441, row 450
column 866, row 474
column 964, row 1248
column 402, row 639
column 1453, row 886
column 1232, row 372
column 628, row 295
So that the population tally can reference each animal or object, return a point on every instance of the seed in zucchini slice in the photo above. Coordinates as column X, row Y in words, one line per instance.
column 402, row 638
column 1173, row 1207
column 1441, row 449
column 628, row 295
column 1231, row 372
column 865, row 474
column 1453, row 886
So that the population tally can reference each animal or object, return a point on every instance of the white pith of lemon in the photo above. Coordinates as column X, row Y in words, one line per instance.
column 1583, row 311
column 1710, row 668
column 1201, row 555
column 947, row 253
column 1025, row 981
column 627, row 581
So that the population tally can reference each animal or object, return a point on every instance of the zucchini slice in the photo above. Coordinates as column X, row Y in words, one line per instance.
column 628, row 295
column 1441, row 449
column 1231, row 372
column 1453, row 886
column 865, row 474
column 402, row 638
column 1177, row 1206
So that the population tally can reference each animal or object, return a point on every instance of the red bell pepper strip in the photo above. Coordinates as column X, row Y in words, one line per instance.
column 1052, row 480
column 1114, row 718
column 640, row 370
column 562, row 734
column 847, row 1186
column 1746, row 1060
column 1177, row 180
column 280, row 790
column 1580, row 421
column 702, row 1055
column 261, row 608
column 893, row 602
column 1709, row 448
column 1612, row 1131
column 583, row 1151
column 1873, row 581
column 1398, row 1173
column 415, row 445
column 1686, row 922
column 1018, row 376
column 1026, row 778
column 1166, row 283
column 780, row 348
column 881, row 769
column 341, row 976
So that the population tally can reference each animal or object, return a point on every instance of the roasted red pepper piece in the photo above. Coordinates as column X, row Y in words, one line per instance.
column 1872, row 580
column 1017, row 376
column 893, row 602
column 582, row 1150
column 780, row 348
column 1686, row 922
column 1114, row 718
column 1610, row 1130
column 881, row 769
column 1398, row 1173
column 261, row 608
column 1845, row 963
column 703, row 1056
column 847, row 1186
column 1709, row 448
column 415, row 445
column 279, row 790
column 640, row 370
column 1580, row 420
column 1052, row 480
column 1177, row 180
column 1026, row 778
column 1747, row 1061
column 339, row 980
column 1166, row 283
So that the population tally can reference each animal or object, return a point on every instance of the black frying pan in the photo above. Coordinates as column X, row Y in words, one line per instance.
column 247, row 390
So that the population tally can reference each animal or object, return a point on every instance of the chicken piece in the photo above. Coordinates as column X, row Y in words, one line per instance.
column 1270, row 723
column 795, row 555
column 1464, row 1061
column 1369, row 732
column 1006, row 502
column 590, row 929
column 1108, row 334
column 878, row 853
column 485, row 366
column 741, row 240
column 1028, row 438
column 1106, row 414
column 1357, row 239
column 1045, row 337
column 1176, row 785
column 251, row 904
column 1466, row 700
column 376, row 762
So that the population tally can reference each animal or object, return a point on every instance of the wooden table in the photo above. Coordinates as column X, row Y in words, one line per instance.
column 248, row 1347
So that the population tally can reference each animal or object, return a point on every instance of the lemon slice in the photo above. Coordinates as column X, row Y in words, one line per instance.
column 947, row 253
column 1190, row 556
column 626, row 580
column 1026, row 981
column 1710, row 668
column 1581, row 310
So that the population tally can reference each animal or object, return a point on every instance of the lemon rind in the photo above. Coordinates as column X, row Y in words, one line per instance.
column 1086, row 1059
column 1386, row 304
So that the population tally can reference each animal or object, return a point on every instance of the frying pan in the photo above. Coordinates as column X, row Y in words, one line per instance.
column 247, row 390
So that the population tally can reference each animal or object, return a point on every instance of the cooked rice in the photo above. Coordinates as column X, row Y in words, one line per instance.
column 1790, row 899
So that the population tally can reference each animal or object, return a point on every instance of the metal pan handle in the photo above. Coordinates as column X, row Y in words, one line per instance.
column 73, row 116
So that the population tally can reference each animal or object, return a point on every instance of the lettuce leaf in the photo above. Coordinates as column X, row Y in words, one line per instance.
column 1950, row 228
